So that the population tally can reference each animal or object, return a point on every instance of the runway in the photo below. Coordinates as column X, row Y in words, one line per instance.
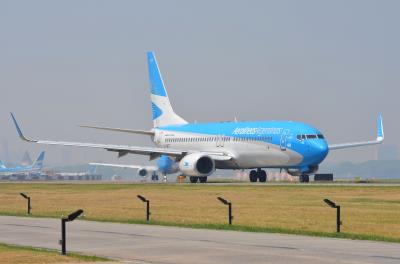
column 157, row 244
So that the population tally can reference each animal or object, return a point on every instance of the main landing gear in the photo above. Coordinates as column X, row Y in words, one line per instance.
column 196, row 179
column 259, row 175
column 304, row 178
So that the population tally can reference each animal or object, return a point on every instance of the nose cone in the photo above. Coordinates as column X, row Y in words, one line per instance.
column 318, row 151
column 164, row 164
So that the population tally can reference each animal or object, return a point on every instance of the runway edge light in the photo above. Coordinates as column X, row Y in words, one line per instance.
column 71, row 217
column 334, row 205
column 226, row 202
column 143, row 199
column 29, row 201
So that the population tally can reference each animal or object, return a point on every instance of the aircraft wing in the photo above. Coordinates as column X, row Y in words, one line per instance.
column 122, row 150
column 378, row 140
column 149, row 168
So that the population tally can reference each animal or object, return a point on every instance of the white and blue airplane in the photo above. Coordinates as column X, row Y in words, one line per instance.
column 201, row 148
column 35, row 167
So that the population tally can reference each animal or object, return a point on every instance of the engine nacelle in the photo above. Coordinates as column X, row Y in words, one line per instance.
column 197, row 164
column 142, row 172
column 307, row 170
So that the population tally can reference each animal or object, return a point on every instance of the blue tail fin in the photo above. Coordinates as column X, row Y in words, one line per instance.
column 2, row 166
column 39, row 161
column 163, row 114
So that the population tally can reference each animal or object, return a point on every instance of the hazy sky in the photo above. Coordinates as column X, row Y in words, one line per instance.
column 332, row 64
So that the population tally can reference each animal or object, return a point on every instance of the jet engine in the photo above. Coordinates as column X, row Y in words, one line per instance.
column 197, row 165
column 306, row 170
column 142, row 172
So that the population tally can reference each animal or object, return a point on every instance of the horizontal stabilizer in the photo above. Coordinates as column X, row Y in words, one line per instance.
column 124, row 130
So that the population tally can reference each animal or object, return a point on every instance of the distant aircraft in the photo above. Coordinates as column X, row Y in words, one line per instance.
column 165, row 165
column 201, row 148
column 35, row 167
column 92, row 170
column 26, row 159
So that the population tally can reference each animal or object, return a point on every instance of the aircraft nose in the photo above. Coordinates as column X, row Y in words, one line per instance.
column 319, row 150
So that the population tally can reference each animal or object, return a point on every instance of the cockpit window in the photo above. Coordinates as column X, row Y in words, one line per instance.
column 311, row 136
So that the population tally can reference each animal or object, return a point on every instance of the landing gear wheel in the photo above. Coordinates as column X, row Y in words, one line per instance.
column 304, row 178
column 203, row 179
column 253, row 176
column 262, row 176
column 194, row 179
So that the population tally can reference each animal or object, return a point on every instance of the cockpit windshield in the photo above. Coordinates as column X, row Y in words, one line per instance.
column 310, row 136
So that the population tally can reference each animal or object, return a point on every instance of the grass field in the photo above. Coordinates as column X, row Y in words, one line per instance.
column 368, row 212
column 27, row 255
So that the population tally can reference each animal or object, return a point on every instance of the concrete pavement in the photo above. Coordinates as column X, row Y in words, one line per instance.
column 158, row 244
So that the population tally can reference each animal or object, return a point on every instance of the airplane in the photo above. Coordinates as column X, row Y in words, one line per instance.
column 26, row 159
column 201, row 148
column 35, row 167
column 85, row 175
column 165, row 165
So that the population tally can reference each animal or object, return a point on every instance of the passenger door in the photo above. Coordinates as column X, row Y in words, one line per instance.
column 220, row 142
column 284, row 136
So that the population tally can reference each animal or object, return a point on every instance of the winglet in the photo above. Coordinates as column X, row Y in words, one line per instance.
column 19, row 130
column 380, row 134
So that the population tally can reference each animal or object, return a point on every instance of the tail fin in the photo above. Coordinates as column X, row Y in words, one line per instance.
column 92, row 170
column 26, row 159
column 2, row 166
column 39, row 161
column 163, row 114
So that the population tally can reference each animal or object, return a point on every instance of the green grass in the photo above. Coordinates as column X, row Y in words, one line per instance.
column 368, row 212
column 23, row 254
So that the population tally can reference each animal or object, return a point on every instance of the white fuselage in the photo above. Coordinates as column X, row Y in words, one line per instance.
column 247, row 153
